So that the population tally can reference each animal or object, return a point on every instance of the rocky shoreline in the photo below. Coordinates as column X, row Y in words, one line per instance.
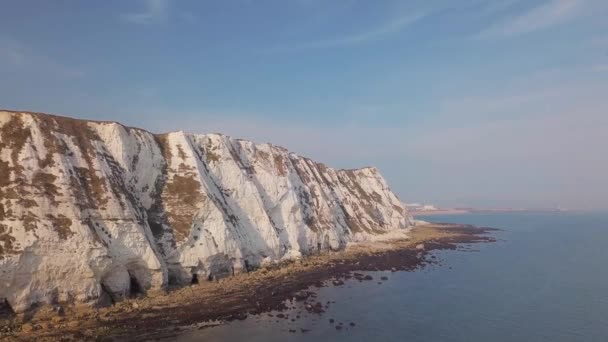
column 266, row 289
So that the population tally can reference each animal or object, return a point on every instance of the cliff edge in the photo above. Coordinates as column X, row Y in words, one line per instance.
column 95, row 211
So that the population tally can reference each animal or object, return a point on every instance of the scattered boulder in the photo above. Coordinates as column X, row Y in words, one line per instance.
column 27, row 328
column 73, row 324
column 58, row 309
column 301, row 296
column 241, row 316
column 57, row 319
column 316, row 308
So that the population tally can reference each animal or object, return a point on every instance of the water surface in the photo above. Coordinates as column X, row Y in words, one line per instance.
column 544, row 280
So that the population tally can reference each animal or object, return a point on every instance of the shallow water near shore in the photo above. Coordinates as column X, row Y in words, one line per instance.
column 544, row 280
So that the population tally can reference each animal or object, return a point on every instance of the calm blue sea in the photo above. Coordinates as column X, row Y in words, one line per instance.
column 546, row 279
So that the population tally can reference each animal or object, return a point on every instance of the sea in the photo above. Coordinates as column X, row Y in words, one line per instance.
column 545, row 279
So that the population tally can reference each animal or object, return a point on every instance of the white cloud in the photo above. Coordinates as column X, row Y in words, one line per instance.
column 153, row 11
column 549, row 14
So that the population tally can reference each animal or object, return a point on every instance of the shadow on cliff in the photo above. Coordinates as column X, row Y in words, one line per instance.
column 232, row 214
column 129, row 275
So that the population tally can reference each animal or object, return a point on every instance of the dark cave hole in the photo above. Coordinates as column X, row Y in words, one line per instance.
column 135, row 288
column 5, row 308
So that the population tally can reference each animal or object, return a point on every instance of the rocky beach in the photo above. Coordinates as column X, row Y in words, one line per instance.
column 273, row 288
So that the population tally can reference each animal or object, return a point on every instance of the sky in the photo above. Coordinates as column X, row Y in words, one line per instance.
column 458, row 103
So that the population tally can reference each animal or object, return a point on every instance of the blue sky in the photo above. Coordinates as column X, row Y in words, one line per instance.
column 470, row 102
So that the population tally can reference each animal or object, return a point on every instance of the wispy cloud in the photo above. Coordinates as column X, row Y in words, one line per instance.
column 153, row 11
column 601, row 67
column 389, row 28
column 549, row 14
column 535, row 94
column 375, row 33
column 495, row 7
column 16, row 57
column 11, row 53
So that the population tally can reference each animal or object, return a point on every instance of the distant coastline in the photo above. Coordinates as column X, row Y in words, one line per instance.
column 455, row 211
column 439, row 212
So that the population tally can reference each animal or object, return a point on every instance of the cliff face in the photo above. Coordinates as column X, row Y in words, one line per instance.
column 95, row 211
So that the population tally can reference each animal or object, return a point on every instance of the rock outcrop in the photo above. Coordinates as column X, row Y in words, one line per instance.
column 96, row 211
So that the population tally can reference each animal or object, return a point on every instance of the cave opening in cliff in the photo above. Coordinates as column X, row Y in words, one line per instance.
column 106, row 298
column 135, row 289
column 194, row 279
column 6, row 309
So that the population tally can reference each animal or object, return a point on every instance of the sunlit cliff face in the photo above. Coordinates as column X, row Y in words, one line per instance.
column 93, row 211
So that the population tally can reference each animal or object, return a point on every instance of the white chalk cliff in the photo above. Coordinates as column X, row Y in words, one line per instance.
column 93, row 211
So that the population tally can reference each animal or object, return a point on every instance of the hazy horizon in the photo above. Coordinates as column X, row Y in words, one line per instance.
column 478, row 103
